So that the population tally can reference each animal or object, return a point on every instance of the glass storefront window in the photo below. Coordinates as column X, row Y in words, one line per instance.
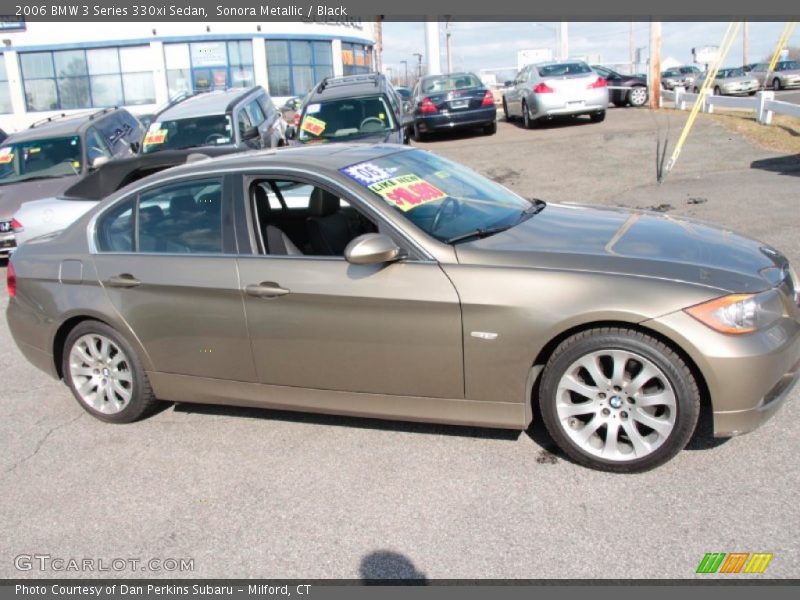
column 294, row 67
column 67, row 79
column 5, row 91
column 356, row 58
column 213, row 65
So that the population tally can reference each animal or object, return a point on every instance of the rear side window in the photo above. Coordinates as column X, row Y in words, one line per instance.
column 183, row 218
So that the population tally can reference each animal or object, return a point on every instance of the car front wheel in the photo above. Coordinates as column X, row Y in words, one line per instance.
column 618, row 400
column 505, row 111
column 598, row 116
column 776, row 84
column 105, row 375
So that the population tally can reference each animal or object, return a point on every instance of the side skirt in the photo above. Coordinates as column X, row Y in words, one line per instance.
column 184, row 388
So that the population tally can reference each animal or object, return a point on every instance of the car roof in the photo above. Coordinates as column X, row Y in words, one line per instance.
column 349, row 86
column 311, row 158
column 57, row 126
column 205, row 104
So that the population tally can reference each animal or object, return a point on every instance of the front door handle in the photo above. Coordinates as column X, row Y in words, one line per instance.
column 266, row 289
column 125, row 280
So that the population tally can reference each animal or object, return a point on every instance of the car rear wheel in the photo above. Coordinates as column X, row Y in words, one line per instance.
column 418, row 135
column 527, row 122
column 598, row 116
column 618, row 400
column 637, row 96
column 491, row 128
column 717, row 91
column 776, row 84
column 105, row 375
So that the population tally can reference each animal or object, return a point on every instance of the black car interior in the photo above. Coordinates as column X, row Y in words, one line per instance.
column 292, row 221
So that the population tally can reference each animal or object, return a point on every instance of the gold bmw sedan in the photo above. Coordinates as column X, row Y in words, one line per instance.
column 389, row 282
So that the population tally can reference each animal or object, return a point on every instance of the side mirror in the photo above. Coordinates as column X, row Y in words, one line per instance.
column 291, row 132
column 98, row 162
column 250, row 133
column 371, row 249
column 508, row 83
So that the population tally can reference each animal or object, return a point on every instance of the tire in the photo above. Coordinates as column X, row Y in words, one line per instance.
column 717, row 91
column 418, row 135
column 490, row 129
column 637, row 96
column 776, row 85
column 507, row 116
column 85, row 369
column 527, row 122
column 598, row 117
column 643, row 362
column 620, row 103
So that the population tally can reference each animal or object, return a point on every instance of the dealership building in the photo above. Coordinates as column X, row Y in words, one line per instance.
column 53, row 68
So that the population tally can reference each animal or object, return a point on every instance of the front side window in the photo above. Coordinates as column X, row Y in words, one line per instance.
column 788, row 65
column 100, row 77
column 183, row 218
column 442, row 198
column 40, row 159
column 345, row 118
column 295, row 66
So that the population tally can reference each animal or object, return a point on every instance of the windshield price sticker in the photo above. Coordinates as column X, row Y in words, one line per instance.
column 156, row 137
column 367, row 173
column 407, row 191
column 313, row 125
column 6, row 157
column 313, row 109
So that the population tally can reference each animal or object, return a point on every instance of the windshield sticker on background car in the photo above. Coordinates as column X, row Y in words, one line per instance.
column 313, row 125
column 407, row 191
column 367, row 173
column 313, row 109
column 156, row 137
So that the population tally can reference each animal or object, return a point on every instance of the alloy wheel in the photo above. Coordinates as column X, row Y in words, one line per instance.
column 101, row 373
column 638, row 96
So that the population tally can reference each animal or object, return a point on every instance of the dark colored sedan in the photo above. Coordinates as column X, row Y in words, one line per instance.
column 457, row 100
column 623, row 89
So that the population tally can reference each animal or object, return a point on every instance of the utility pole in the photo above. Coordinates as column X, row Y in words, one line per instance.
column 379, row 43
column 419, row 64
column 745, row 44
column 448, row 37
column 632, row 49
column 564, row 41
column 405, row 79
column 654, row 75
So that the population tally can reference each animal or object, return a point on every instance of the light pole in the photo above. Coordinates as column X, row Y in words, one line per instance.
column 405, row 79
column 448, row 37
column 419, row 64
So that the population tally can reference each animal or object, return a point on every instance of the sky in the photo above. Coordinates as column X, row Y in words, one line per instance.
column 490, row 45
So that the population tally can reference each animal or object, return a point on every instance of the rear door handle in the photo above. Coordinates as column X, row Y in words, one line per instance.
column 266, row 289
column 125, row 280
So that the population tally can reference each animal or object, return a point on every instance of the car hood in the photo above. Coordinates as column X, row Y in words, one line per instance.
column 13, row 195
column 638, row 243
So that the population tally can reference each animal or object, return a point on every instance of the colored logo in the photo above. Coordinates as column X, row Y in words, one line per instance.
column 734, row 562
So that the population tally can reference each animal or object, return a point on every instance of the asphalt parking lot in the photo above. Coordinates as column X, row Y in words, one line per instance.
column 257, row 493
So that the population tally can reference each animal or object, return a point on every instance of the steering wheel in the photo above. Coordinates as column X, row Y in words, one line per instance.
column 211, row 139
column 366, row 122
column 441, row 211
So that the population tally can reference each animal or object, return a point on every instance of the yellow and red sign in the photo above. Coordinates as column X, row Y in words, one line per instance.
column 6, row 158
column 407, row 191
column 313, row 125
column 155, row 137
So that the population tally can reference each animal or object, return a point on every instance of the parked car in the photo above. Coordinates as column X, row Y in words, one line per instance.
column 681, row 76
column 3, row 136
column 54, row 153
column 355, row 107
column 435, row 294
column 243, row 118
column 785, row 75
column 731, row 82
column 404, row 93
column 623, row 89
column 454, row 101
column 550, row 89
column 40, row 217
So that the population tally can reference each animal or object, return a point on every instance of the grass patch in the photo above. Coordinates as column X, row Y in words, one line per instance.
column 783, row 135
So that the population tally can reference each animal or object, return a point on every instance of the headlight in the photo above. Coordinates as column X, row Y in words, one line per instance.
column 739, row 313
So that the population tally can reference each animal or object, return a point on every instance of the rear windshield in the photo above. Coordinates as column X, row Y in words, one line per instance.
column 689, row 70
column 562, row 69
column 40, row 159
column 188, row 133
column 449, row 83
column 725, row 73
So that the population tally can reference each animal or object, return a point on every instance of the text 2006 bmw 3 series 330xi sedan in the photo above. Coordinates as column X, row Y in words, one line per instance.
column 389, row 282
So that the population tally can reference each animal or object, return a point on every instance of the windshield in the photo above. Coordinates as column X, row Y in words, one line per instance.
column 40, row 159
column 725, row 73
column 690, row 70
column 174, row 134
column 345, row 118
column 449, row 83
column 443, row 198
column 563, row 69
